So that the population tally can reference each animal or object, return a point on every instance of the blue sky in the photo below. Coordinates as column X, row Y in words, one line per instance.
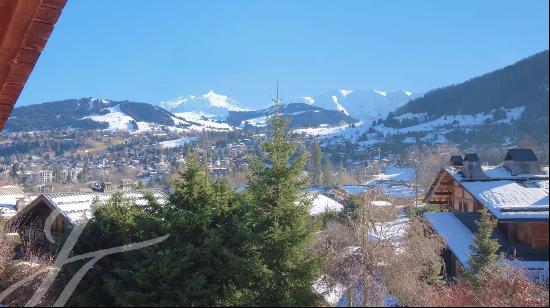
column 151, row 51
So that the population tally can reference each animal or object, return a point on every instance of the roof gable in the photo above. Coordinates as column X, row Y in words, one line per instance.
column 521, row 155
column 471, row 157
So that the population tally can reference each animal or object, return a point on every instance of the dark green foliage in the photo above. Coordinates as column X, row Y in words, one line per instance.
column 198, row 265
column 351, row 206
column 316, row 156
column 524, row 83
column 224, row 248
column 278, row 211
column 418, row 211
column 328, row 174
column 142, row 112
column 484, row 247
column 300, row 115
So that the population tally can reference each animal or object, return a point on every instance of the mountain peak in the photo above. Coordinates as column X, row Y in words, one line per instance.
column 345, row 92
column 221, row 101
column 211, row 103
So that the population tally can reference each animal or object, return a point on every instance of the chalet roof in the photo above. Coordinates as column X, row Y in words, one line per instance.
column 507, row 196
column 8, row 200
column 11, row 190
column 458, row 238
column 471, row 157
column 75, row 206
column 521, row 155
column 456, row 160
column 323, row 204
column 25, row 26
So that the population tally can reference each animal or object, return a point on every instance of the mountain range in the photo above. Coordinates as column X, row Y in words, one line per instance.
column 366, row 105
column 496, row 107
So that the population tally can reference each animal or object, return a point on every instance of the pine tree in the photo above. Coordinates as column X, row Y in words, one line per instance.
column 328, row 174
column 317, row 167
column 484, row 247
column 341, row 174
column 199, row 264
column 278, row 210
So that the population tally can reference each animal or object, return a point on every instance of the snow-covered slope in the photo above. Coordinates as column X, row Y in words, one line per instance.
column 210, row 103
column 366, row 105
column 301, row 116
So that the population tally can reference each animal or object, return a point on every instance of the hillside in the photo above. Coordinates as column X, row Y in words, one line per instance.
column 99, row 114
column 365, row 105
column 88, row 113
column 524, row 83
column 498, row 107
column 301, row 115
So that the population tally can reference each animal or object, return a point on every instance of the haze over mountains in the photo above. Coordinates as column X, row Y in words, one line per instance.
column 493, row 107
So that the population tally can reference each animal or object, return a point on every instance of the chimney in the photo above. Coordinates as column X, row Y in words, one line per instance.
column 472, row 167
column 20, row 204
column 456, row 161
column 106, row 187
column 521, row 161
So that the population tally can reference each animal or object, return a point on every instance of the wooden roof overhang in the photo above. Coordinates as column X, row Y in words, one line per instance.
column 25, row 26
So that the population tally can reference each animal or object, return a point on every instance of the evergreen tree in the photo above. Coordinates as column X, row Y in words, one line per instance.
column 328, row 174
column 278, row 212
column 317, row 167
column 351, row 206
column 198, row 265
column 484, row 247
column 341, row 174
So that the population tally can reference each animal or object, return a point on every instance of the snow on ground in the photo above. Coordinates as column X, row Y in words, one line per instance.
column 322, row 204
column 324, row 130
column 331, row 295
column 221, row 101
column 396, row 174
column 339, row 107
column 308, row 100
column 394, row 231
column 380, row 203
column 177, row 142
column 116, row 119
column 202, row 121
column 345, row 92
column 455, row 120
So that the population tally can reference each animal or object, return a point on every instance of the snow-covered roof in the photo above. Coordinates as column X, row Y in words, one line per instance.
column 9, row 195
column 454, row 233
column 507, row 196
column 322, row 203
column 459, row 238
column 75, row 206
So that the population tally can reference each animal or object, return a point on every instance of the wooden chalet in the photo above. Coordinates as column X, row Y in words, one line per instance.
column 62, row 211
column 515, row 193
column 25, row 26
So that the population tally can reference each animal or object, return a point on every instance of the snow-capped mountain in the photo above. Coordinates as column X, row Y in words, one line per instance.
column 301, row 116
column 366, row 105
column 92, row 113
column 210, row 103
